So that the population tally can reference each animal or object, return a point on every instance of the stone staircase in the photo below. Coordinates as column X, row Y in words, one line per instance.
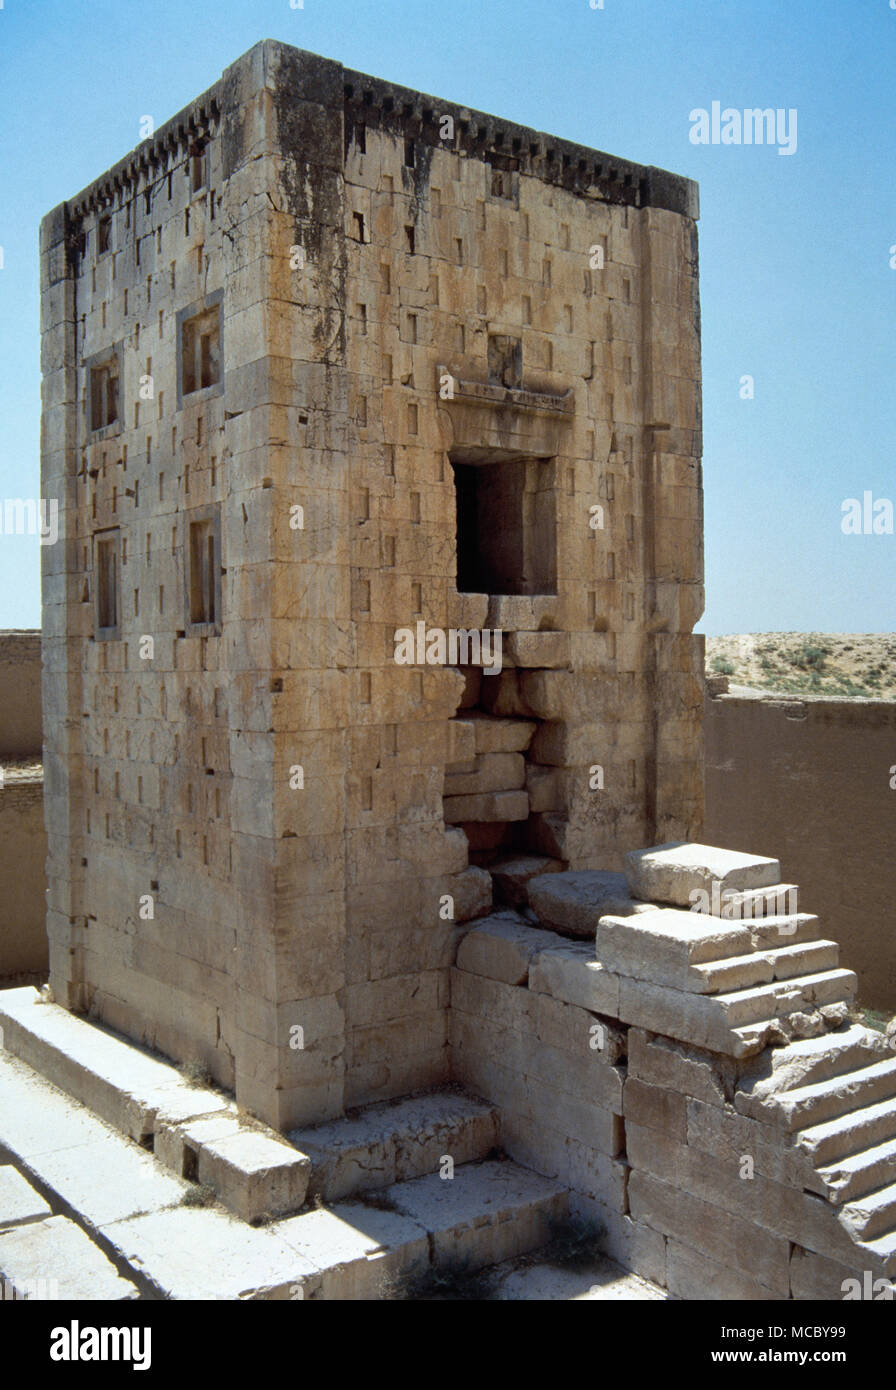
column 734, row 1128
column 103, row 1178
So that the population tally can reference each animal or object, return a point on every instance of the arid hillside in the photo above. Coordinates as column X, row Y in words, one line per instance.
column 835, row 664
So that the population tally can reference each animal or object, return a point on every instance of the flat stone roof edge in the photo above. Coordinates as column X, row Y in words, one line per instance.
column 664, row 189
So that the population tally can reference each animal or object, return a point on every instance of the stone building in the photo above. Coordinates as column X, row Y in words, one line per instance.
column 326, row 359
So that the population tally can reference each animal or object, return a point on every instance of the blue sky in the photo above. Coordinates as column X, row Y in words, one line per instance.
column 797, row 287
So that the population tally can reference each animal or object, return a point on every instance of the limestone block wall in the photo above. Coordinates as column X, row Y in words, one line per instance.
column 23, row 841
column 803, row 776
column 23, row 902
column 250, row 859
column 20, row 719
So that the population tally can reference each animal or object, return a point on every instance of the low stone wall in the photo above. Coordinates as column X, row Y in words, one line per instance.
column 20, row 710
column 23, row 839
column 810, row 781
column 23, row 905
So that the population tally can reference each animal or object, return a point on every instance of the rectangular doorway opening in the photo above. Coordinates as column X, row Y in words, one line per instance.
column 506, row 523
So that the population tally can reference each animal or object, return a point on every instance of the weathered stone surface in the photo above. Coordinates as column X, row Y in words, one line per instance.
column 728, row 1240
column 571, row 973
column 487, row 806
column 361, row 1251
column 574, row 902
column 255, row 1175
column 687, row 1070
column 671, row 873
column 512, row 876
column 502, row 947
column 198, row 1254
column 395, row 1142
column 486, row 1213
column 663, row 945
column 538, row 649
column 54, row 1260
column 19, row 1203
column 494, row 772
column 495, row 735
column 693, row 1276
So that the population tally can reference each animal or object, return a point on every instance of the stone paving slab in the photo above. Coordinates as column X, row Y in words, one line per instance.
column 19, row 1203
column 54, row 1260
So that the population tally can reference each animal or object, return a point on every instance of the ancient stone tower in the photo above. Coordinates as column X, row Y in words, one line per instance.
column 326, row 359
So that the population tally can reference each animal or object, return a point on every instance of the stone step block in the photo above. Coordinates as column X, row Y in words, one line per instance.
column 502, row 947
column 671, row 873
column 361, row 1251
column 254, row 1175
column 819, row 1101
column 781, row 929
column 762, row 967
column 19, row 1203
column 116, row 1080
column 663, row 944
column 574, row 902
column 872, row 1216
column 495, row 735
column 738, row 1024
column 486, row 1213
column 849, row 1134
column 495, row 772
column 53, row 1260
column 860, row 1173
column 778, row 901
column 487, row 806
column 512, row 876
column 388, row 1143
column 196, row 1253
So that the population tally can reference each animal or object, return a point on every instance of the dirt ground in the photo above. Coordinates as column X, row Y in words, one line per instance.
column 834, row 664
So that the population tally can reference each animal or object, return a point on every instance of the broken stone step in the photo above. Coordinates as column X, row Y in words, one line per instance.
column 486, row 1213
column 53, row 1260
column 820, row 1101
column 662, row 944
column 117, row 1081
column 512, row 876
column 871, row 1216
column 671, row 873
column 763, row 967
column 784, row 997
column 574, row 902
column 738, row 1024
column 19, row 1203
column 815, row 1059
column 487, row 806
column 860, row 1173
column 849, row 1134
column 387, row 1143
